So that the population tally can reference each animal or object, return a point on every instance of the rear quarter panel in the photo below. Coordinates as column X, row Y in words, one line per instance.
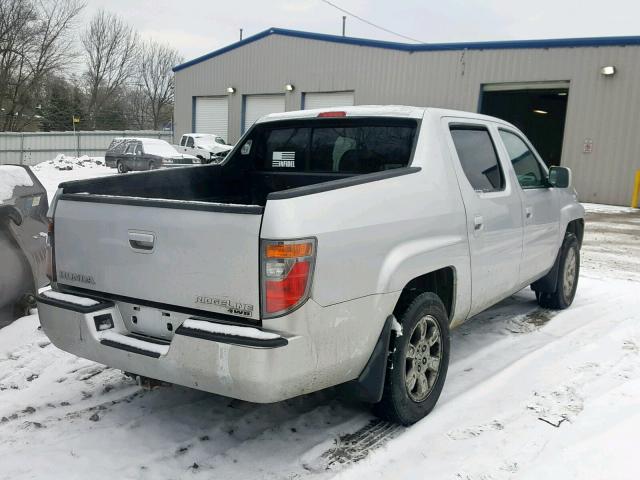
column 374, row 238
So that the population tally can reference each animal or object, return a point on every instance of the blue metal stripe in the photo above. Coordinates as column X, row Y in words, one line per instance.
column 424, row 47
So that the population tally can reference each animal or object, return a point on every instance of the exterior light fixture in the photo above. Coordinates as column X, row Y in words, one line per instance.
column 562, row 94
column 231, row 90
column 540, row 112
column 608, row 70
column 289, row 88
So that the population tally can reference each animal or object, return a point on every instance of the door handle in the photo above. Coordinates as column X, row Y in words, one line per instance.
column 478, row 223
column 141, row 241
column 528, row 212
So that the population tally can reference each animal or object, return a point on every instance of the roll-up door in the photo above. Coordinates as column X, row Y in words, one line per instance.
column 328, row 100
column 212, row 116
column 256, row 106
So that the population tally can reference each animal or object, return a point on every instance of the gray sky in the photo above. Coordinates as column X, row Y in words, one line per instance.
column 196, row 27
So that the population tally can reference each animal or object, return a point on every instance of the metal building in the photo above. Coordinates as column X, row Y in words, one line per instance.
column 578, row 100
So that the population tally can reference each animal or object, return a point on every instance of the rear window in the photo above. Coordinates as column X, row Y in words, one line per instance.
column 348, row 146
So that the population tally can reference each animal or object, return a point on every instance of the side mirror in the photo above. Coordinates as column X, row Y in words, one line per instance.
column 560, row 177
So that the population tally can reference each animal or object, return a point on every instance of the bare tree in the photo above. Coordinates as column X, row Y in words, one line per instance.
column 35, row 40
column 112, row 51
column 156, row 79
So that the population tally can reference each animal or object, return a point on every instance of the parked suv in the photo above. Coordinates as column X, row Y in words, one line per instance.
column 330, row 247
column 126, row 154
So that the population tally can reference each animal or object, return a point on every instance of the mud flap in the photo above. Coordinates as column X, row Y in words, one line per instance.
column 549, row 283
column 368, row 387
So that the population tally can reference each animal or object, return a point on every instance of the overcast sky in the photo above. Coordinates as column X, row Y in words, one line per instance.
column 196, row 27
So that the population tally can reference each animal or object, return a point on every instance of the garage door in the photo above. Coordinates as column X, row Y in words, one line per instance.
column 328, row 100
column 212, row 116
column 256, row 106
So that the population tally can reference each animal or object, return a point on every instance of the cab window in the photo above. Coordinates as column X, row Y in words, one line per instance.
column 183, row 141
column 130, row 148
column 190, row 142
column 527, row 167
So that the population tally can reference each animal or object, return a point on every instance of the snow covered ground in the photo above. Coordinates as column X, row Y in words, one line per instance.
column 530, row 394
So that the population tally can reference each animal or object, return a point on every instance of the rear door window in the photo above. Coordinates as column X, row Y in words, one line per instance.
column 478, row 157
column 352, row 146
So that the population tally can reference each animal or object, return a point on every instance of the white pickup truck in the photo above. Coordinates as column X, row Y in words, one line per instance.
column 330, row 247
column 208, row 148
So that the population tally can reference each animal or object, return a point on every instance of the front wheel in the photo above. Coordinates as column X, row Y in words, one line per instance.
column 568, row 273
column 418, row 362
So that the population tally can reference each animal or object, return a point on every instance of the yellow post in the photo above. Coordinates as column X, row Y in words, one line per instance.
column 636, row 190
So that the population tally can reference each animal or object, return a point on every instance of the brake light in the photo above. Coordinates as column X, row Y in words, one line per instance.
column 287, row 270
column 332, row 114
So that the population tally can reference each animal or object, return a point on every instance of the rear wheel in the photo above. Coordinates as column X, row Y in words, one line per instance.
column 120, row 167
column 152, row 166
column 418, row 362
column 568, row 274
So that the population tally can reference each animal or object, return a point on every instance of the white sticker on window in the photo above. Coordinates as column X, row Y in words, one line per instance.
column 283, row 160
column 246, row 148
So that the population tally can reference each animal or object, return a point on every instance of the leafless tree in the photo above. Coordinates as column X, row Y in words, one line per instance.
column 156, row 79
column 112, row 51
column 35, row 40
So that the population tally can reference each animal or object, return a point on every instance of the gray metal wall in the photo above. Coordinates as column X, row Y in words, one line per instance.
column 30, row 148
column 603, row 109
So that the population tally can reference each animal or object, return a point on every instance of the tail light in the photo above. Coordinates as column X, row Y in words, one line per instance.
column 287, row 271
column 50, row 260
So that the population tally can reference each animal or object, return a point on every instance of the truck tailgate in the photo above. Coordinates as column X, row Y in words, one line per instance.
column 187, row 254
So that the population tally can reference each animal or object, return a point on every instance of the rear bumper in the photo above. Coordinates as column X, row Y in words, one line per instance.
column 331, row 345
column 235, row 367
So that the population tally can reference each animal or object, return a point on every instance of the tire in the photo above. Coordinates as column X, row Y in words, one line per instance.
column 406, row 400
column 568, row 274
column 152, row 166
column 120, row 167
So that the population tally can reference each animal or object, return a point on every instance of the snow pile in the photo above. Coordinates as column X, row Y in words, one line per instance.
column 12, row 176
column 64, row 168
column 232, row 330
column 74, row 299
column 64, row 162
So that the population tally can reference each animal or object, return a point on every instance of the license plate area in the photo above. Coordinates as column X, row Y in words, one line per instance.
column 149, row 321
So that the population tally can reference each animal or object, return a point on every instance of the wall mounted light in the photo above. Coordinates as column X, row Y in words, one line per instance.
column 608, row 70
column 540, row 112
column 289, row 88
column 231, row 90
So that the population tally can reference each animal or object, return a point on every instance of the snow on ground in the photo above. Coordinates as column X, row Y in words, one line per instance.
column 64, row 168
column 530, row 393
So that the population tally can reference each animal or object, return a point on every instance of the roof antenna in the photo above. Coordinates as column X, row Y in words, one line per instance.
column 344, row 21
column 240, row 34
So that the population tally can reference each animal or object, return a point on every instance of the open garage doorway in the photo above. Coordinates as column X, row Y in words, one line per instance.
column 538, row 109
